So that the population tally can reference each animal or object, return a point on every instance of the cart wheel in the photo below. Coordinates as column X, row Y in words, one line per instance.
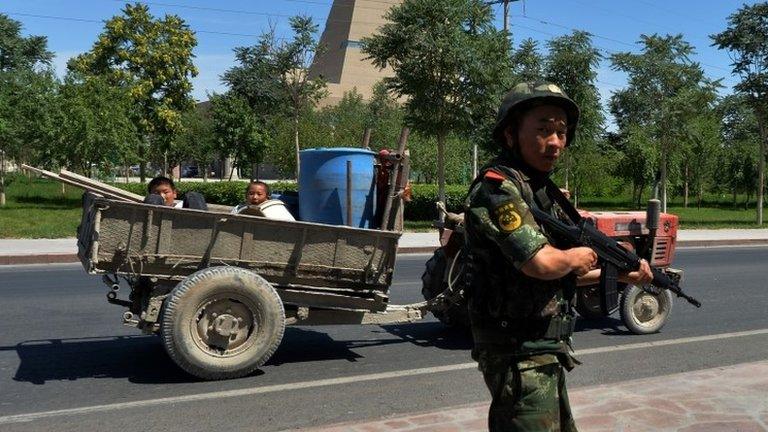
column 588, row 302
column 434, row 283
column 645, row 312
column 222, row 322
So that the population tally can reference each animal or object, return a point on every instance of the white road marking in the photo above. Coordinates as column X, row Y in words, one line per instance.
column 20, row 418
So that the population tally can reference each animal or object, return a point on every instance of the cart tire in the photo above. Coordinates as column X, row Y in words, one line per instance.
column 433, row 284
column 588, row 302
column 222, row 322
column 644, row 312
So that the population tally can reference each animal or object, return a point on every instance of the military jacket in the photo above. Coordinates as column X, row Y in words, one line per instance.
column 502, row 236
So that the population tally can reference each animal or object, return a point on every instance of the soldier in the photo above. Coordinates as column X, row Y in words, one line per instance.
column 521, row 285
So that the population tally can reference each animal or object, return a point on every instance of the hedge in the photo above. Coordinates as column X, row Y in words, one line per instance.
column 421, row 207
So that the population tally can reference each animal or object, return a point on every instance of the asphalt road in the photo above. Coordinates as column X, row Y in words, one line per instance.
column 66, row 363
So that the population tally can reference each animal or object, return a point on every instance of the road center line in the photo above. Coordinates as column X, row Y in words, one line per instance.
column 20, row 418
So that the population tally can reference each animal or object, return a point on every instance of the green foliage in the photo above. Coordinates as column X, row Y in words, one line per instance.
column 737, row 170
column 21, row 53
column 746, row 38
column 273, row 78
column 572, row 64
column 424, row 197
column 94, row 125
column 448, row 60
column 665, row 88
column 527, row 62
column 197, row 141
column 237, row 131
column 152, row 60
column 28, row 109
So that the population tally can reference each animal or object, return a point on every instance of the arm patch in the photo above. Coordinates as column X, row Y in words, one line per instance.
column 507, row 217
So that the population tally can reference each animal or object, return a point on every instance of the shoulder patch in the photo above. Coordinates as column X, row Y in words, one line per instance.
column 494, row 175
column 507, row 216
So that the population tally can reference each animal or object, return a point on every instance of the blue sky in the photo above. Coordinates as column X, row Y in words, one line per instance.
column 72, row 27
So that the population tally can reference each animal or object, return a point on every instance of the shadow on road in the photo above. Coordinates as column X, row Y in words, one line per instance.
column 307, row 345
column 609, row 325
column 140, row 359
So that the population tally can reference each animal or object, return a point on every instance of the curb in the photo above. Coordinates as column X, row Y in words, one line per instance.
column 63, row 258
column 59, row 258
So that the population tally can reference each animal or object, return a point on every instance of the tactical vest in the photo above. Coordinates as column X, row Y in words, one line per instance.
column 502, row 299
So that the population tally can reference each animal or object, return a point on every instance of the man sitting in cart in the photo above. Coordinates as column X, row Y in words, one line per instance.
column 162, row 191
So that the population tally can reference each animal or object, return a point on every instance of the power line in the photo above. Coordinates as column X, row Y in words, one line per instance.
column 85, row 20
column 604, row 38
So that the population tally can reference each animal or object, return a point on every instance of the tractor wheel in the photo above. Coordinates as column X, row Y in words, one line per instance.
column 645, row 312
column 588, row 302
column 222, row 322
column 434, row 282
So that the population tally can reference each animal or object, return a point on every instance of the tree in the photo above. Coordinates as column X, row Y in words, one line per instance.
column 746, row 39
column 572, row 64
column 94, row 125
column 237, row 131
column 18, row 52
column 701, row 151
column 449, row 63
column 345, row 122
column 664, row 88
column 527, row 62
column 637, row 161
column 197, row 141
column 384, row 118
column 20, row 59
column 152, row 59
column 273, row 77
column 737, row 170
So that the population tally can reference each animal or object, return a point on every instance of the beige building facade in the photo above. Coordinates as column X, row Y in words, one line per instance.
column 343, row 65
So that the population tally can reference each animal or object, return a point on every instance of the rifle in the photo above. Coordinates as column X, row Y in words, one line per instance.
column 613, row 257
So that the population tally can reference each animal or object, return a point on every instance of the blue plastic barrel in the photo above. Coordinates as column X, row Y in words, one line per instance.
column 323, row 186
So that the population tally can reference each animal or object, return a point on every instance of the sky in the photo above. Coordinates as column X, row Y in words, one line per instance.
column 72, row 26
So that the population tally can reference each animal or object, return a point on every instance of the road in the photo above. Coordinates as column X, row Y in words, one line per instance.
column 66, row 363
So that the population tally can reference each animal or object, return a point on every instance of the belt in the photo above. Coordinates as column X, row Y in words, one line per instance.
column 505, row 331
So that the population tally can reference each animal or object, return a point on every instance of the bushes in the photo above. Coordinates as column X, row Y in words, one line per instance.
column 421, row 208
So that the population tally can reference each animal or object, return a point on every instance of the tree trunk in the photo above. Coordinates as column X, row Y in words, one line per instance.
column 734, row 196
column 663, row 177
column 441, row 168
column 685, row 188
column 761, row 168
column 296, row 144
column 142, row 164
column 2, row 178
column 701, row 195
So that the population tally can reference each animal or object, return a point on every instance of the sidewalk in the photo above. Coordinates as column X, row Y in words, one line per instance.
column 46, row 251
column 724, row 399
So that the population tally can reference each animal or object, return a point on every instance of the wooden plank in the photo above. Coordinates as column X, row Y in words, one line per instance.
column 75, row 183
column 100, row 186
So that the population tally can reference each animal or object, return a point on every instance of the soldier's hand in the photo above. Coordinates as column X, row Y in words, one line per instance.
column 641, row 276
column 582, row 259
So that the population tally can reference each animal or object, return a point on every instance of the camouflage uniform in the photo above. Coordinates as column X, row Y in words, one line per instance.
column 521, row 326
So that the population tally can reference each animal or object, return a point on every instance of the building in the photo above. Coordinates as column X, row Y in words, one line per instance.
column 342, row 64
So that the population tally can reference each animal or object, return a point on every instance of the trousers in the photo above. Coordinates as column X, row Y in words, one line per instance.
column 528, row 393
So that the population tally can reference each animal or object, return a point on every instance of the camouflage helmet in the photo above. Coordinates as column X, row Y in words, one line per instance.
column 528, row 95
